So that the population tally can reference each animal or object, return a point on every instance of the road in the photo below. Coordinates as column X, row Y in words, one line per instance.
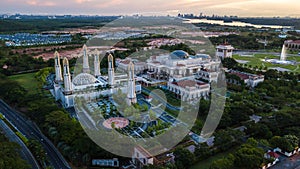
column 287, row 162
column 24, row 151
column 31, row 131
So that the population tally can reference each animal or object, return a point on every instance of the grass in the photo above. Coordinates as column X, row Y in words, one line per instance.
column 28, row 81
column 205, row 164
column 22, row 137
column 255, row 60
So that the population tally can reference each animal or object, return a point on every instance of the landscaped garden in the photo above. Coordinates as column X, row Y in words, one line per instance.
column 256, row 61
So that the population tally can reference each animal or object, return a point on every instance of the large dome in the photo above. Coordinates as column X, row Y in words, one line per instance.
column 84, row 79
column 179, row 54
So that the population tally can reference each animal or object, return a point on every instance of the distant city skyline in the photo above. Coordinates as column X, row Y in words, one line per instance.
column 250, row 8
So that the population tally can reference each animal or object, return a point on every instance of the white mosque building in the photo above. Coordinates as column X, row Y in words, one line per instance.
column 86, row 84
column 188, row 76
column 180, row 73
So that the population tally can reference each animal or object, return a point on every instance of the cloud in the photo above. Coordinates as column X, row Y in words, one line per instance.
column 162, row 7
column 110, row 3
column 40, row 3
column 83, row 1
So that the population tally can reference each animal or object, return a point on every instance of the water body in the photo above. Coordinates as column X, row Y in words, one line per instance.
column 234, row 23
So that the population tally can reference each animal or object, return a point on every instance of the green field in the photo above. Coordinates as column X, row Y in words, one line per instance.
column 256, row 60
column 27, row 81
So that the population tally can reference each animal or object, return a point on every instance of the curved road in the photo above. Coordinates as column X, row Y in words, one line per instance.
column 31, row 131
column 24, row 151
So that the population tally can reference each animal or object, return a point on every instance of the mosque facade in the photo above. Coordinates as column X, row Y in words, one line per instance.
column 68, row 86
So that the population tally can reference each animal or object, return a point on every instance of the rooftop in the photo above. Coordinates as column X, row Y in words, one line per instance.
column 273, row 154
column 188, row 83
column 84, row 79
column 225, row 46
column 293, row 41
column 244, row 75
column 179, row 54
column 126, row 62
column 241, row 75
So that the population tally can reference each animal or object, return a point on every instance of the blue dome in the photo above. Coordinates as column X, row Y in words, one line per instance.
column 179, row 54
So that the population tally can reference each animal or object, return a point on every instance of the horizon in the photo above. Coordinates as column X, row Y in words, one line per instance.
column 141, row 15
column 246, row 8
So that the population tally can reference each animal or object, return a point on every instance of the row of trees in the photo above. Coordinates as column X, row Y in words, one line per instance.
column 250, row 41
column 246, row 156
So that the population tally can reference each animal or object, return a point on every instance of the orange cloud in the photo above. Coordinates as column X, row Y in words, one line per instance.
column 109, row 3
column 148, row 7
column 40, row 3
column 83, row 1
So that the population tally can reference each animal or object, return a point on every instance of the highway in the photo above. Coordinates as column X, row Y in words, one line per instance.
column 24, row 151
column 31, row 131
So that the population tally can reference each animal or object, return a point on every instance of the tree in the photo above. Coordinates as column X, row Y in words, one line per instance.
column 284, row 119
column 259, row 130
column 292, row 139
column 9, row 155
column 251, row 141
column 223, row 140
column 281, row 143
column 11, row 91
column 249, row 157
column 224, row 163
column 202, row 151
column 229, row 63
column 152, row 115
column 37, row 150
column 183, row 158
column 239, row 113
column 113, row 125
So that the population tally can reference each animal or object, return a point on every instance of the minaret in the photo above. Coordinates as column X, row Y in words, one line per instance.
column 131, row 95
column 86, row 67
column 67, row 77
column 97, row 64
column 111, row 70
column 58, row 74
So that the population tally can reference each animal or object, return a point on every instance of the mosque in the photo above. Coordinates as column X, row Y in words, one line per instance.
column 86, row 85
column 187, row 76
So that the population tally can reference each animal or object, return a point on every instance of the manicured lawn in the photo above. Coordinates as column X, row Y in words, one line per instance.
column 27, row 81
column 255, row 60
column 205, row 164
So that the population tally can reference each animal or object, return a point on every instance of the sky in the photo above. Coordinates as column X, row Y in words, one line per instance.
column 254, row 8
